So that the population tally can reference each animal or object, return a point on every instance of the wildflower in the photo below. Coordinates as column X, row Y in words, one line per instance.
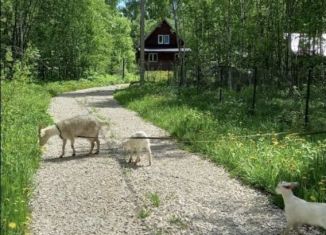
column 275, row 142
column 313, row 198
column 12, row 225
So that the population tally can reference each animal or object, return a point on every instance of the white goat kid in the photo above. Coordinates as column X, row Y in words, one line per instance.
column 85, row 126
column 137, row 146
column 298, row 211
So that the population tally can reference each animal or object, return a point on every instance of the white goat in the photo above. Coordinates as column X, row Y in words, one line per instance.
column 298, row 211
column 84, row 126
column 136, row 146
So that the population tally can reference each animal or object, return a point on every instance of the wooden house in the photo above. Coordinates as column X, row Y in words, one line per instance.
column 161, row 48
column 303, row 45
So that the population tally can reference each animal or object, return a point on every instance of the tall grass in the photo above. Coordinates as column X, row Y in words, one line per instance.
column 261, row 161
column 23, row 107
column 59, row 87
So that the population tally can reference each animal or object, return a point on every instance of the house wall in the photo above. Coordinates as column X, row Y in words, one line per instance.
column 165, row 62
column 152, row 40
column 165, row 59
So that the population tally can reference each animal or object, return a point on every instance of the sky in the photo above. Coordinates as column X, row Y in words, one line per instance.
column 121, row 3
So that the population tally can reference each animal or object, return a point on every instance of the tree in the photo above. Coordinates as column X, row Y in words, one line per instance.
column 142, row 42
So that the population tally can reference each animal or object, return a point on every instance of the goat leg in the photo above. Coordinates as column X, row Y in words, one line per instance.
column 72, row 141
column 130, row 159
column 64, row 141
column 97, row 145
column 137, row 159
column 92, row 147
column 149, row 152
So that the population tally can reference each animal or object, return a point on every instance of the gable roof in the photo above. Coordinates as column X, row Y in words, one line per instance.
column 158, row 26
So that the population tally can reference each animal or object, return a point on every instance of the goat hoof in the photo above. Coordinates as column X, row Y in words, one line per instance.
column 97, row 152
column 73, row 154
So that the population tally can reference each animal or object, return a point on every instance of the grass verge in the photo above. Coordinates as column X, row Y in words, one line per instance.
column 23, row 107
column 260, row 161
column 58, row 87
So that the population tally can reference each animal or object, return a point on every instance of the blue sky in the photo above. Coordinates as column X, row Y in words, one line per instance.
column 122, row 3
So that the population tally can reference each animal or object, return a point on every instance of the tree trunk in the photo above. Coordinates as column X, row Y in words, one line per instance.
column 142, row 42
column 176, row 24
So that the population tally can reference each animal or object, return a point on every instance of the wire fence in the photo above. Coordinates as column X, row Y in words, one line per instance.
column 304, row 87
column 272, row 134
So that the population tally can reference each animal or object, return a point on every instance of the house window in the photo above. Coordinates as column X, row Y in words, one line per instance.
column 163, row 39
column 160, row 39
column 152, row 57
column 166, row 39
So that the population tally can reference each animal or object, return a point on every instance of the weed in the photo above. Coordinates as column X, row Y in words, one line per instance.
column 178, row 222
column 143, row 213
column 155, row 199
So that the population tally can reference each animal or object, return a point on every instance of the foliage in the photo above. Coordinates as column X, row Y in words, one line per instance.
column 240, row 34
column 58, row 87
column 73, row 38
column 155, row 12
column 219, row 130
column 23, row 107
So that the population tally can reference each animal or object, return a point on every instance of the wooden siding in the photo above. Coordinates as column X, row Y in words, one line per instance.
column 164, row 29
column 165, row 60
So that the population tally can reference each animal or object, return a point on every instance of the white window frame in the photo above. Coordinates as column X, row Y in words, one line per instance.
column 163, row 39
column 152, row 57
column 166, row 39
column 160, row 39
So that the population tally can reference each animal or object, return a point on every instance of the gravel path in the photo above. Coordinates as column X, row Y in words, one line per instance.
column 101, row 194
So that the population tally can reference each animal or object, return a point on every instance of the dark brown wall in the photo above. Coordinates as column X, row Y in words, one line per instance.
column 165, row 59
column 165, row 62
column 162, row 56
column 164, row 28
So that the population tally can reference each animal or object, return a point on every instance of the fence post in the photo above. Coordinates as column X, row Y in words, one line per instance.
column 253, row 106
column 221, row 84
column 198, row 78
column 123, row 68
column 221, row 94
column 306, row 116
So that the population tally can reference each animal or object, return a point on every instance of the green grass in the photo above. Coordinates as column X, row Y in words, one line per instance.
column 155, row 199
column 260, row 161
column 58, row 87
column 23, row 107
column 143, row 213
